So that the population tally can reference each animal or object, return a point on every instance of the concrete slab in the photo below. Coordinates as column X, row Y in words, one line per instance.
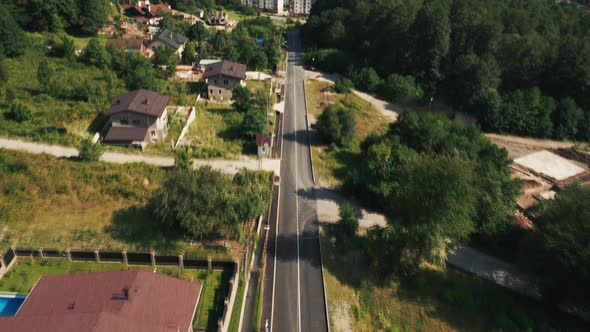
column 549, row 164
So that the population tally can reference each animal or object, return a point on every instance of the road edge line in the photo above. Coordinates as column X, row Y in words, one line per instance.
column 274, row 273
column 323, row 276
column 308, row 135
column 319, row 226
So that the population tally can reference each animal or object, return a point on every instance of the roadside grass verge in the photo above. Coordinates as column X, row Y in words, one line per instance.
column 26, row 272
column 234, row 322
column 329, row 161
column 433, row 300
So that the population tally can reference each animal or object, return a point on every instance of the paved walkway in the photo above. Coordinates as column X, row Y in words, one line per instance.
column 225, row 166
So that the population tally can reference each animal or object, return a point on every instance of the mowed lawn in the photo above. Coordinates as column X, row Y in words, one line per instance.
column 52, row 203
column 216, row 133
column 434, row 300
column 329, row 161
column 24, row 275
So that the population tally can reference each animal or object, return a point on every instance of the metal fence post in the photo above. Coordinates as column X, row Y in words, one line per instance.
column 97, row 256
column 125, row 261
column 153, row 257
column 181, row 262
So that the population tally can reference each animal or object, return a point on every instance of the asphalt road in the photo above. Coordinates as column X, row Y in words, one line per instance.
column 298, row 303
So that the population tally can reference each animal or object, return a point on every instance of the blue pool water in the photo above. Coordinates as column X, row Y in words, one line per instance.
column 9, row 304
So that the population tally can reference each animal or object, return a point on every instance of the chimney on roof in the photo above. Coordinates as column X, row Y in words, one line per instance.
column 147, row 101
column 126, row 293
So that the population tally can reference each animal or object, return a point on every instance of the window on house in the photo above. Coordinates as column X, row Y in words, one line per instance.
column 124, row 121
column 211, row 91
column 225, row 82
column 216, row 81
column 153, row 133
column 136, row 122
column 219, row 91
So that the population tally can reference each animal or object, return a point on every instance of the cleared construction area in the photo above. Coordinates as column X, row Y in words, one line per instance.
column 550, row 165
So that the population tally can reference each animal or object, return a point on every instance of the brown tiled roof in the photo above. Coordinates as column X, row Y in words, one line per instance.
column 96, row 302
column 125, row 134
column 225, row 68
column 262, row 139
column 154, row 9
column 140, row 101
column 126, row 44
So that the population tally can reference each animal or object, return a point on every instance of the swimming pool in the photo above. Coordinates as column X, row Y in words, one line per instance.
column 9, row 304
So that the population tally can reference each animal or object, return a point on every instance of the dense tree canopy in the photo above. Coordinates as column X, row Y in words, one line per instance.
column 76, row 16
column 508, row 62
column 205, row 203
column 563, row 230
column 437, row 182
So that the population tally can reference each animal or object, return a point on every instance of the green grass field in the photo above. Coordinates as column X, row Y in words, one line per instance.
column 46, row 202
column 26, row 272
column 434, row 300
column 329, row 162
column 215, row 133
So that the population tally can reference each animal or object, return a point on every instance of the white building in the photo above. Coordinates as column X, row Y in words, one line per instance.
column 300, row 7
column 273, row 6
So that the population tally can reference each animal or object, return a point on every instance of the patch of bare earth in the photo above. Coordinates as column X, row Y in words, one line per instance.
column 341, row 317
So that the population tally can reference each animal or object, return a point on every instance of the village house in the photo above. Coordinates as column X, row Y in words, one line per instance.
column 116, row 301
column 217, row 18
column 129, row 45
column 137, row 118
column 145, row 12
column 222, row 78
column 167, row 38
column 200, row 12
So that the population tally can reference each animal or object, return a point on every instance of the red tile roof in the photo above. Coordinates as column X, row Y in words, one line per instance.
column 140, row 101
column 97, row 302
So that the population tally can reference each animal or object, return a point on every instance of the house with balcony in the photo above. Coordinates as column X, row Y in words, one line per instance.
column 137, row 118
column 222, row 78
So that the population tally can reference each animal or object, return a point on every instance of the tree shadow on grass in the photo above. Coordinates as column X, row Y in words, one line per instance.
column 138, row 228
column 468, row 302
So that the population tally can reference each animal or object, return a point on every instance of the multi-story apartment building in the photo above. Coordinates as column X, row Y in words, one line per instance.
column 300, row 7
column 274, row 6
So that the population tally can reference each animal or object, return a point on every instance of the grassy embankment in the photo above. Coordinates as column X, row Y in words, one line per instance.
column 329, row 161
column 54, row 120
column 25, row 274
column 434, row 300
column 46, row 202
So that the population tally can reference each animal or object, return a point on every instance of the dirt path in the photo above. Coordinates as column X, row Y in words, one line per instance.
column 225, row 166
column 389, row 110
column 520, row 146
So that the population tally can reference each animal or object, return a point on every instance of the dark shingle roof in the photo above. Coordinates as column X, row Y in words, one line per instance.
column 125, row 134
column 171, row 38
column 140, row 101
column 97, row 302
column 225, row 68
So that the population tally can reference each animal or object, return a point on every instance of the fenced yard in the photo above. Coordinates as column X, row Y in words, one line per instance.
column 217, row 277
